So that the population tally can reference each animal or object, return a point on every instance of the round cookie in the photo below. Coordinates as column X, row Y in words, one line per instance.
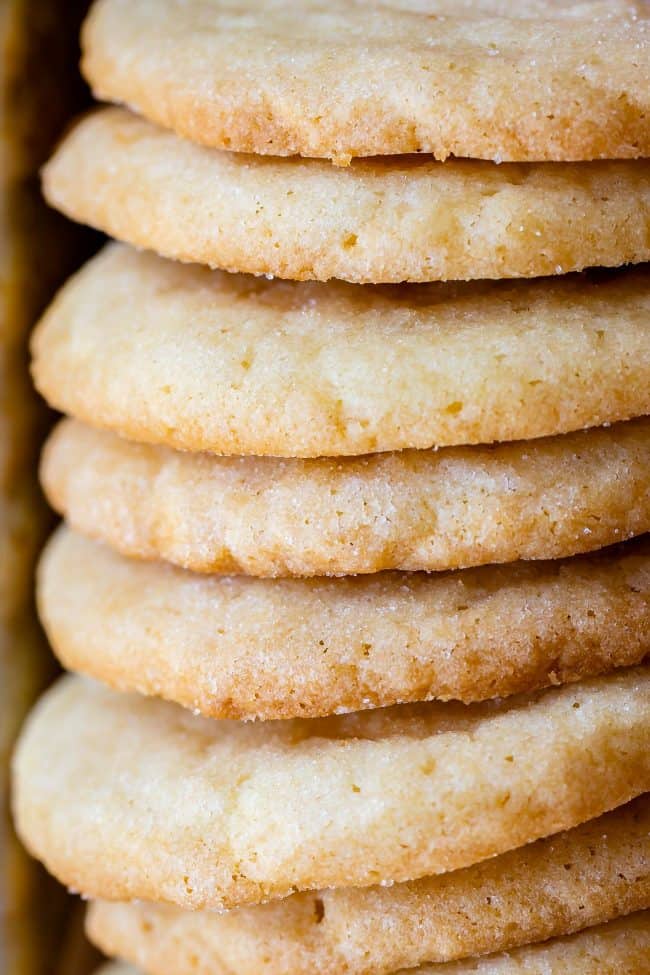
column 418, row 509
column 237, row 647
column 346, row 79
column 379, row 220
column 619, row 948
column 211, row 814
column 589, row 875
column 204, row 360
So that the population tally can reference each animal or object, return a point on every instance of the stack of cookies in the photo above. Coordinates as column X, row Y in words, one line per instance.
column 324, row 469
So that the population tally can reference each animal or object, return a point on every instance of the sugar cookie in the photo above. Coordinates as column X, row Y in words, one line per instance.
column 418, row 509
column 589, row 875
column 342, row 79
column 236, row 647
column 379, row 220
column 205, row 813
column 204, row 360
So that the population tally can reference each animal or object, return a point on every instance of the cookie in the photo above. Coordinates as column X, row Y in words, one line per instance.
column 347, row 79
column 379, row 220
column 211, row 814
column 618, row 948
column 204, row 360
column 589, row 875
column 419, row 509
column 237, row 647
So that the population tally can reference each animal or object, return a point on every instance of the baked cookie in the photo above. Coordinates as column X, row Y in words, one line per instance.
column 619, row 948
column 418, row 509
column 237, row 647
column 211, row 814
column 589, row 875
column 204, row 360
column 379, row 220
column 342, row 79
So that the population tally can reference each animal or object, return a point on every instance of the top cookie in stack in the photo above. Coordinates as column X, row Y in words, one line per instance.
column 425, row 422
column 343, row 80
column 468, row 78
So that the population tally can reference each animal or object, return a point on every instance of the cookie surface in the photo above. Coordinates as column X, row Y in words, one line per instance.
column 204, row 360
column 619, row 948
column 342, row 79
column 209, row 814
column 236, row 647
column 417, row 509
column 589, row 875
column 379, row 220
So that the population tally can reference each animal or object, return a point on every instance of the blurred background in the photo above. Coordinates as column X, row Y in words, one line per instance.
column 40, row 925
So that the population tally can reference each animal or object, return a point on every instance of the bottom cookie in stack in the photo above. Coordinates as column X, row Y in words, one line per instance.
column 621, row 947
